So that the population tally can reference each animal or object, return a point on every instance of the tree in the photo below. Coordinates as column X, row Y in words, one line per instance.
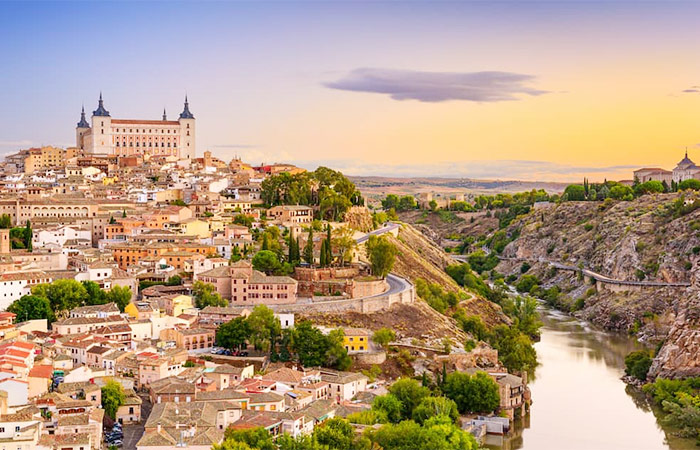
column 28, row 236
column 515, row 349
column 438, row 433
column 575, row 192
column 621, row 192
column 336, row 433
column 390, row 202
column 235, row 254
column 233, row 334
column 121, row 295
column 691, row 183
column 96, row 296
column 31, row 307
column 382, row 255
column 256, row 438
column 294, row 256
column 344, row 243
column 175, row 280
column 5, row 221
column 63, row 294
column 264, row 327
column 433, row 205
column 231, row 445
column 383, row 336
column 407, row 202
column 337, row 356
column 649, row 187
column 388, row 405
column 435, row 406
column 410, row 393
column 637, row 364
column 309, row 247
column 309, row 344
column 205, row 295
column 112, row 398
column 323, row 259
column 477, row 393
column 526, row 283
column 266, row 261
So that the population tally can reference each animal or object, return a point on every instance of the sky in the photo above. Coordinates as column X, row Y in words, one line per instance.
column 550, row 91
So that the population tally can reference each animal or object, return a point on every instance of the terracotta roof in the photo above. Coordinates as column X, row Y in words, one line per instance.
column 41, row 371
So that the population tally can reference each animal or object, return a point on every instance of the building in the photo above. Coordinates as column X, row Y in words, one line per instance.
column 291, row 214
column 356, row 340
column 653, row 174
column 686, row 170
column 245, row 286
column 136, row 137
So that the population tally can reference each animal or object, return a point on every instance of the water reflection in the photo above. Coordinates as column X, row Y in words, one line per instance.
column 579, row 402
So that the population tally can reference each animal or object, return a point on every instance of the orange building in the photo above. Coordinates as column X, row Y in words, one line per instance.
column 130, row 253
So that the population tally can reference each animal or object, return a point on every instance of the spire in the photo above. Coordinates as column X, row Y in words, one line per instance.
column 165, row 117
column 186, row 114
column 83, row 123
column 100, row 111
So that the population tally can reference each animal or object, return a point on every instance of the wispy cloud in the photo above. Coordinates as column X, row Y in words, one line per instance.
column 236, row 146
column 22, row 143
column 691, row 90
column 438, row 86
column 526, row 170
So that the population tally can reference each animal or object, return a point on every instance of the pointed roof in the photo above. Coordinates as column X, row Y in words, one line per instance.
column 83, row 123
column 686, row 163
column 186, row 114
column 100, row 111
column 165, row 116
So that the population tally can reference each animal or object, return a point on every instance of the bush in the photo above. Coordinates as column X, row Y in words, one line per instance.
column 526, row 283
column 637, row 364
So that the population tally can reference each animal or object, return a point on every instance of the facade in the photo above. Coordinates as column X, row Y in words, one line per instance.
column 653, row 174
column 292, row 214
column 135, row 137
column 686, row 170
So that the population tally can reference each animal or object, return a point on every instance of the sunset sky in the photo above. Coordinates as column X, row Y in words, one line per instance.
column 536, row 91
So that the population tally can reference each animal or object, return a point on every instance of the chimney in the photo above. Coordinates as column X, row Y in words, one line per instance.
column 158, row 427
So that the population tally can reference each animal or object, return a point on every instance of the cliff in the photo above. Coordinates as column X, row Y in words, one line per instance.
column 653, row 238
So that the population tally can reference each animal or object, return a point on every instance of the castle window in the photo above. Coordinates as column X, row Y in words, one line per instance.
column 188, row 125
column 188, row 133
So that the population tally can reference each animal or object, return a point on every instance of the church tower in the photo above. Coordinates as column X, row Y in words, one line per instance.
column 187, row 136
column 101, row 130
column 80, row 130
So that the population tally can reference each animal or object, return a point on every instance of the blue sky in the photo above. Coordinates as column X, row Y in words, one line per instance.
column 274, row 81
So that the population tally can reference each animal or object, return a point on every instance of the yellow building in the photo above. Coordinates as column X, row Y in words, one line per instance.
column 178, row 304
column 356, row 339
column 192, row 227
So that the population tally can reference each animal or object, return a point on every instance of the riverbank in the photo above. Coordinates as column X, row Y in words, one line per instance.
column 579, row 399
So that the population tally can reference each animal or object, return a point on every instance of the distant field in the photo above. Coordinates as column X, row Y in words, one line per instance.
column 376, row 187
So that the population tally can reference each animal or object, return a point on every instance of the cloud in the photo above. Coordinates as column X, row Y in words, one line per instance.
column 525, row 170
column 236, row 146
column 688, row 91
column 438, row 86
column 22, row 143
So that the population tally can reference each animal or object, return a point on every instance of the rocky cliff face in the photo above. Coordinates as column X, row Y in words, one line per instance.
column 644, row 239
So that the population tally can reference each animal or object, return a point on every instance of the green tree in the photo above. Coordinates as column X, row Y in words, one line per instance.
column 389, row 406
column 437, row 433
column 336, row 433
column 575, row 192
column 390, row 202
column 526, row 283
column 309, row 247
column 121, row 295
column 256, row 438
column 407, row 202
column 515, row 350
column 323, row 257
column 383, row 336
column 410, row 393
column 235, row 254
column 691, row 183
column 231, row 445
column 649, row 187
column 31, row 307
column 96, row 296
column 5, row 221
column 28, row 236
column 266, row 261
column 309, row 344
column 112, row 398
column 233, row 334
column 294, row 256
column 64, row 294
column 205, row 295
column 264, row 327
column 175, row 280
column 477, row 393
column 637, row 364
column 621, row 192
column 435, row 406
column 337, row 356
column 382, row 255
column 344, row 243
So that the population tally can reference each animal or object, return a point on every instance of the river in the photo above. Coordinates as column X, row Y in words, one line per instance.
column 579, row 401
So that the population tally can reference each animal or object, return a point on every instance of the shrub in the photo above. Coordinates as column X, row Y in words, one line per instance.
column 637, row 364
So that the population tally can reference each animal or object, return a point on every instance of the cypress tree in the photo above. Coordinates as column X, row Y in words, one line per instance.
column 324, row 256
column 309, row 247
column 265, row 243
column 329, row 250
column 28, row 236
